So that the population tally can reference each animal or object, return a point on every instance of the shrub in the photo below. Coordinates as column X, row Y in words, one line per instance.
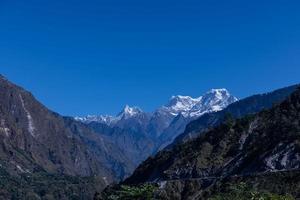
column 142, row 192
column 243, row 192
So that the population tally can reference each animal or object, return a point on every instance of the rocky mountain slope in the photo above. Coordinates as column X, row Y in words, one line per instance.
column 34, row 139
column 254, row 145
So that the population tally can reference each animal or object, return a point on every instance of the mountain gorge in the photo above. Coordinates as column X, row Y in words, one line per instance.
column 44, row 155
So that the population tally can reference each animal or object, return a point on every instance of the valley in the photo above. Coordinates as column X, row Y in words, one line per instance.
column 208, row 140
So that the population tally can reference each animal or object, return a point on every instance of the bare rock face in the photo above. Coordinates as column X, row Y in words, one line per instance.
column 35, row 139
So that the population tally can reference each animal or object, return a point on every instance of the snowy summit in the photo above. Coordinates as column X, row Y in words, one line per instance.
column 212, row 101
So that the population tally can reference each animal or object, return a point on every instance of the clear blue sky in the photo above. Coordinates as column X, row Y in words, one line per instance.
column 80, row 57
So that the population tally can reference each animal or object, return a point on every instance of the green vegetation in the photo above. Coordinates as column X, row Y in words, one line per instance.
column 124, row 192
column 243, row 192
column 47, row 186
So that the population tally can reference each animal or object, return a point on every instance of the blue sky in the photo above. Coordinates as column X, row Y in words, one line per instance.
column 81, row 57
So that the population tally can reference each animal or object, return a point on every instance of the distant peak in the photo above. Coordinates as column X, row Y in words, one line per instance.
column 212, row 100
column 96, row 118
column 220, row 90
column 130, row 111
column 217, row 93
column 128, row 108
column 180, row 97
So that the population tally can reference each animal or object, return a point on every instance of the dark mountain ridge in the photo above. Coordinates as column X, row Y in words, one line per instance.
column 35, row 139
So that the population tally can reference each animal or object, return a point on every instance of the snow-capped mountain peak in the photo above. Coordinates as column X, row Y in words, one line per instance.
column 212, row 101
column 181, row 99
column 189, row 107
column 106, row 119
column 128, row 112
column 179, row 104
column 218, row 93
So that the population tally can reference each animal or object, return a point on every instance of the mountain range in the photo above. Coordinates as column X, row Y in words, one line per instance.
column 44, row 155
column 160, row 127
column 212, row 101
column 259, row 151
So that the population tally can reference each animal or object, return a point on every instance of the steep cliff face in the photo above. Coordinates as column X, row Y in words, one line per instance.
column 266, row 142
column 35, row 139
